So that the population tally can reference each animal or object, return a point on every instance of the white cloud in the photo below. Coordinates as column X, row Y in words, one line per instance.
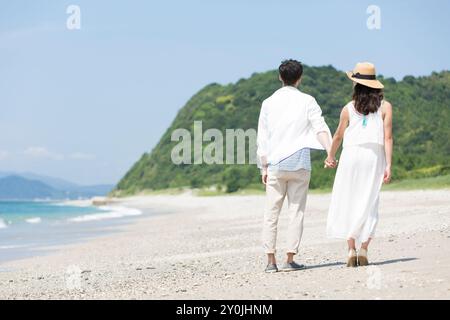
column 82, row 156
column 43, row 153
column 4, row 154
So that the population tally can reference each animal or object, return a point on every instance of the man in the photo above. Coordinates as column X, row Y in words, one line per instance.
column 290, row 124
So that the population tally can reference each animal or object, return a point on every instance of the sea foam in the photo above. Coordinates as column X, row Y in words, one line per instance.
column 34, row 220
column 3, row 224
column 13, row 246
column 111, row 212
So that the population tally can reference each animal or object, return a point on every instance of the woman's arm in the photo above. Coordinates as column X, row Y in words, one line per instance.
column 388, row 140
column 337, row 138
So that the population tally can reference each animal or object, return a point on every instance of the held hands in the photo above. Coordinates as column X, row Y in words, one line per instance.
column 330, row 162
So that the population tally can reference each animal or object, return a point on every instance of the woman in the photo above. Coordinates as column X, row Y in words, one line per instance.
column 366, row 128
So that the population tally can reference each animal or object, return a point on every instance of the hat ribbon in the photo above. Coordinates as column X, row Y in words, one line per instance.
column 363, row 76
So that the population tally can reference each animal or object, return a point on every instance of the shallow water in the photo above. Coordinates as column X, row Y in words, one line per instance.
column 33, row 228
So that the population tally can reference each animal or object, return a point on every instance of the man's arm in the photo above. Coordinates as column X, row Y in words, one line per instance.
column 319, row 125
column 324, row 140
column 262, row 141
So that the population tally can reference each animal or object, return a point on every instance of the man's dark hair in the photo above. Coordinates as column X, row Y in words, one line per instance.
column 290, row 71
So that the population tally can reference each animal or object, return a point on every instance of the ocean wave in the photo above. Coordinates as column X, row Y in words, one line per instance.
column 13, row 246
column 74, row 203
column 111, row 212
column 3, row 224
column 34, row 220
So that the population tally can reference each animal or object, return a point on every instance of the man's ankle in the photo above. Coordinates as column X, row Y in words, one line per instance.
column 271, row 259
column 290, row 257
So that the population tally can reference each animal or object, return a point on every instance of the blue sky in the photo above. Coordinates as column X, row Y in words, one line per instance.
column 85, row 104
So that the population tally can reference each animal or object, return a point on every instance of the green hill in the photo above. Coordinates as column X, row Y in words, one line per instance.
column 421, row 129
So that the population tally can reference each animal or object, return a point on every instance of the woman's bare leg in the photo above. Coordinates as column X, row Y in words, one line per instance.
column 351, row 244
column 352, row 258
column 365, row 245
column 362, row 256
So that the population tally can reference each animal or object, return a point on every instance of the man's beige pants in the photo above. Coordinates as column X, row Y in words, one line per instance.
column 294, row 185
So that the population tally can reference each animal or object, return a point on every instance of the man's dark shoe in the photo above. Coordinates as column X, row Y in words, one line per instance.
column 292, row 266
column 271, row 268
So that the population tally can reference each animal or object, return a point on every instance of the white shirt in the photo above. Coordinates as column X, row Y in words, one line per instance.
column 289, row 121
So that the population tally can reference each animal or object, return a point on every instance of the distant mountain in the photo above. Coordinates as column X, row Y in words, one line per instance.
column 56, row 183
column 18, row 188
column 421, row 129
column 28, row 186
column 90, row 191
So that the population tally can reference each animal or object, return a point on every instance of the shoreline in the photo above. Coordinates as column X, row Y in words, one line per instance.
column 209, row 248
column 434, row 183
column 43, row 233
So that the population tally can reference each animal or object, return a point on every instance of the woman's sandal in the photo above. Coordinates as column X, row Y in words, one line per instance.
column 362, row 258
column 352, row 258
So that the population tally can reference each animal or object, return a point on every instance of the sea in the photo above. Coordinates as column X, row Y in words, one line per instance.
column 29, row 228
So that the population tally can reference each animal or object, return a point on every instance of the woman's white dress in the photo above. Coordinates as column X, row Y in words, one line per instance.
column 353, row 211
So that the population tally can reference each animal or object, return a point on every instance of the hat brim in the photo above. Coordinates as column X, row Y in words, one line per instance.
column 368, row 83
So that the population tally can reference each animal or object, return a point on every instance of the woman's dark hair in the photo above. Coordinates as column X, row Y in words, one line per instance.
column 290, row 71
column 367, row 100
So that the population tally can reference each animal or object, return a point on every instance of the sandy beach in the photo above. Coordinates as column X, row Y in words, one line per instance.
column 209, row 248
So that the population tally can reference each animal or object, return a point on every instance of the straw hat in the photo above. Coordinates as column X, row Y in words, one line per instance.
column 364, row 73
